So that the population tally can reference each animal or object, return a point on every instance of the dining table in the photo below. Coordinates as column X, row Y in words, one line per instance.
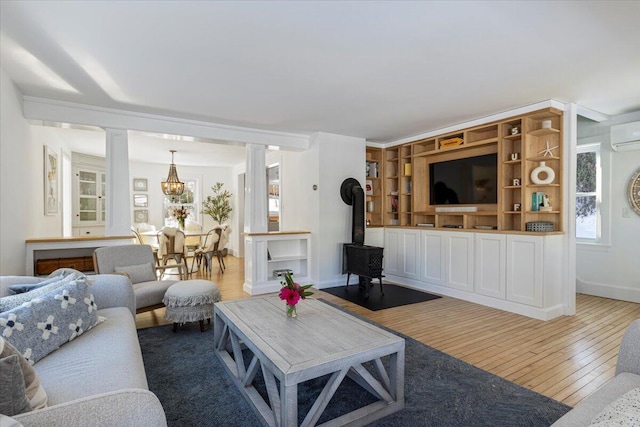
column 187, row 234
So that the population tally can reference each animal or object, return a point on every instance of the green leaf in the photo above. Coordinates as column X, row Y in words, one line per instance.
column 289, row 279
column 307, row 294
column 306, row 286
column 218, row 207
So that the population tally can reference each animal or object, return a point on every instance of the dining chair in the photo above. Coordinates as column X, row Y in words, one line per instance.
column 192, row 242
column 136, row 235
column 204, row 253
column 172, row 246
column 143, row 230
column 215, row 242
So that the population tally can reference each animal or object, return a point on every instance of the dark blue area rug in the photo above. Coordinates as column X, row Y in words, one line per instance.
column 440, row 390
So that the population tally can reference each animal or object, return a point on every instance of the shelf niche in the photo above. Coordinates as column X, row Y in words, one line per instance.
column 520, row 143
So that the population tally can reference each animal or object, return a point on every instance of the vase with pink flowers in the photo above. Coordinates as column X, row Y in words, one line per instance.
column 292, row 293
column 181, row 214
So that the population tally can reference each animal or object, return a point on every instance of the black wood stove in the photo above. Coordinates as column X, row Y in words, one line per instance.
column 358, row 258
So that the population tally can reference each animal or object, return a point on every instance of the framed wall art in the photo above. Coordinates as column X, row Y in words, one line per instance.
column 140, row 215
column 139, row 184
column 50, row 181
column 140, row 201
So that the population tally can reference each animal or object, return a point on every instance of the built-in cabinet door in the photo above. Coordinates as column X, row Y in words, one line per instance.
column 490, row 256
column 432, row 252
column 402, row 253
column 459, row 259
column 411, row 254
column 392, row 248
column 525, row 269
column 89, row 197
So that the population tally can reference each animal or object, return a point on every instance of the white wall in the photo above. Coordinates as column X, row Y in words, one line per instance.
column 16, row 182
column 340, row 157
column 329, row 160
column 155, row 173
column 612, row 269
column 22, row 180
column 46, row 225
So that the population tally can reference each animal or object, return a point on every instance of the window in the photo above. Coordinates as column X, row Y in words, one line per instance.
column 588, row 193
column 188, row 199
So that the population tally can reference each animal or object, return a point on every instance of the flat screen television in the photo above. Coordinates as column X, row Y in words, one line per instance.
column 469, row 181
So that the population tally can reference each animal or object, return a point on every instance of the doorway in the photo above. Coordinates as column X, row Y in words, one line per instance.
column 273, row 195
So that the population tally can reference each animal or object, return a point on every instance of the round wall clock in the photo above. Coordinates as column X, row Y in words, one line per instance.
column 634, row 192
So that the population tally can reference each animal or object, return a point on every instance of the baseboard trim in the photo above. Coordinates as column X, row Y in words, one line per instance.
column 608, row 291
column 539, row 313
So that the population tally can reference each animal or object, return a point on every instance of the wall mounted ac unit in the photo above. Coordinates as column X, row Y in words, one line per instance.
column 625, row 137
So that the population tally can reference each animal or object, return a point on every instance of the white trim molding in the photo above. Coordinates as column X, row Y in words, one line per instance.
column 551, row 103
column 604, row 290
column 89, row 115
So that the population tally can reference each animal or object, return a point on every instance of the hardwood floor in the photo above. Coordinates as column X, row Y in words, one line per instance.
column 566, row 358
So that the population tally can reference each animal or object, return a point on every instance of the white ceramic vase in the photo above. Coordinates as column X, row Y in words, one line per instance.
column 542, row 169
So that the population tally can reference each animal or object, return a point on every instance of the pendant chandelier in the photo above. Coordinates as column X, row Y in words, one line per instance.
column 172, row 186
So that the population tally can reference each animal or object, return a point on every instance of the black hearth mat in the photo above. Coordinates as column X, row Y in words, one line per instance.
column 394, row 295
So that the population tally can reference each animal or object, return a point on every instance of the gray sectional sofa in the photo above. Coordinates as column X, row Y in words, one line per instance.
column 608, row 405
column 98, row 379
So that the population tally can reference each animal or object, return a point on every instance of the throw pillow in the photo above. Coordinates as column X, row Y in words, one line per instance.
column 12, row 301
column 65, row 271
column 20, row 289
column 624, row 411
column 35, row 392
column 43, row 324
column 13, row 399
column 139, row 273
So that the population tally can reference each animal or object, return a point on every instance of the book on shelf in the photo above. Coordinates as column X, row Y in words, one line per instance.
column 369, row 187
column 537, row 200
column 372, row 169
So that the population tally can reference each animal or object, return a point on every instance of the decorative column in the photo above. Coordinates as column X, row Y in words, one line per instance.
column 255, row 196
column 255, row 216
column 118, row 203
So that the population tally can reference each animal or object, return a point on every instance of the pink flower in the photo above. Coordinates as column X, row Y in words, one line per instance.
column 298, row 289
column 290, row 295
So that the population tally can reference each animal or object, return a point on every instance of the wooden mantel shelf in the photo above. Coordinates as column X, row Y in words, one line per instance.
column 74, row 239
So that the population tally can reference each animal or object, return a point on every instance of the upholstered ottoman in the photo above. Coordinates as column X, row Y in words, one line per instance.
column 190, row 301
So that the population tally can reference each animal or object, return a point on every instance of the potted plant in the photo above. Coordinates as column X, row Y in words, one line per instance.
column 218, row 206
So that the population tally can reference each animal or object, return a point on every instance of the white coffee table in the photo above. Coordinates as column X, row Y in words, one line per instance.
column 321, row 340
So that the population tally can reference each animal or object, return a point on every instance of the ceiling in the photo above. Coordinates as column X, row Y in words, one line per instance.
column 378, row 70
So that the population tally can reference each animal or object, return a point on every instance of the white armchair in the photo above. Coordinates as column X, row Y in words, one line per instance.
column 136, row 262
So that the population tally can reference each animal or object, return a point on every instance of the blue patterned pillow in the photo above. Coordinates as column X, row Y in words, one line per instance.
column 12, row 301
column 20, row 289
column 42, row 325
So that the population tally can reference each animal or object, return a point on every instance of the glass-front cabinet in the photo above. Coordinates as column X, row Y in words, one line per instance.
column 90, row 202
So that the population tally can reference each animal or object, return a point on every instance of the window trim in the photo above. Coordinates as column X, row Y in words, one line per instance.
column 597, row 148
